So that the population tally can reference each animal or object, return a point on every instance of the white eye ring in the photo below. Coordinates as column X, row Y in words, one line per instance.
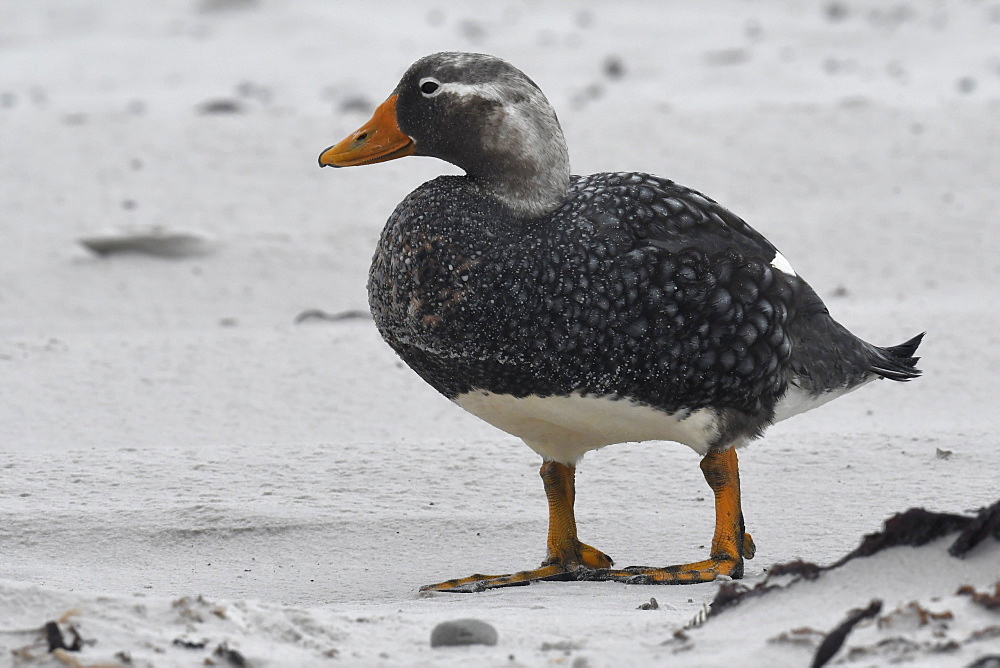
column 429, row 87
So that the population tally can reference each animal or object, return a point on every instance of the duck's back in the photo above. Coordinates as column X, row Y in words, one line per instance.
column 636, row 288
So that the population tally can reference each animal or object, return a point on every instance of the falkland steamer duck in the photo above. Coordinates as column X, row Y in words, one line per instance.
column 580, row 311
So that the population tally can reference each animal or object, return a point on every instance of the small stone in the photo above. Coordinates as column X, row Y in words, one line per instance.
column 463, row 632
column 836, row 11
column 944, row 454
column 614, row 68
column 220, row 106
column 966, row 85
column 472, row 31
column 356, row 104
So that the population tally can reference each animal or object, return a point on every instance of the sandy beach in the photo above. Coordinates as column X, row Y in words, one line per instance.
column 195, row 464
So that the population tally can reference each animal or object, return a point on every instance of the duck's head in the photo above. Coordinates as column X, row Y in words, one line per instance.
column 479, row 113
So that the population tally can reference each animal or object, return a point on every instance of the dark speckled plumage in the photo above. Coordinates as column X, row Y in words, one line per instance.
column 519, row 281
column 635, row 287
column 580, row 311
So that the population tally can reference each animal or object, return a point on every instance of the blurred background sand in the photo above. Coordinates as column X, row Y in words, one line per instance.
column 167, row 427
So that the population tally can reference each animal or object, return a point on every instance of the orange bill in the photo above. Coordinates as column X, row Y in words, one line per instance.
column 378, row 140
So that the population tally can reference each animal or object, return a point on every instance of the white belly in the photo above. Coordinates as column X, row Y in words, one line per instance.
column 562, row 429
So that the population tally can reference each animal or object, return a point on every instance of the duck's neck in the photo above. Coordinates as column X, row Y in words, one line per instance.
column 529, row 188
column 525, row 163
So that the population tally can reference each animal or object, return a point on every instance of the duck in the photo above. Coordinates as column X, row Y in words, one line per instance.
column 576, row 312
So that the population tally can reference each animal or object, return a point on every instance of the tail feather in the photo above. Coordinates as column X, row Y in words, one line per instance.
column 896, row 362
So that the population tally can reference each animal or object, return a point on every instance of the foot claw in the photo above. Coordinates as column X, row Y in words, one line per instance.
column 749, row 549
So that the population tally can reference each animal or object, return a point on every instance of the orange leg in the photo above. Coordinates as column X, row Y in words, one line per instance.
column 730, row 544
column 567, row 557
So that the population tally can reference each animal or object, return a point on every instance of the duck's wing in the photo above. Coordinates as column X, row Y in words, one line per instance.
column 665, row 215
column 759, row 327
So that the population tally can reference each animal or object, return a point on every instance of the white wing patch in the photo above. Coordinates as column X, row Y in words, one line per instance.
column 781, row 264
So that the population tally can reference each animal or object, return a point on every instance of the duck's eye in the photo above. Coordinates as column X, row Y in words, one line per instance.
column 429, row 86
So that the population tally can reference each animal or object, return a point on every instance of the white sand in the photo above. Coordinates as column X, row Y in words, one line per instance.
column 167, row 431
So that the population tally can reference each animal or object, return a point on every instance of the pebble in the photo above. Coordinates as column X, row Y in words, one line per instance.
column 463, row 632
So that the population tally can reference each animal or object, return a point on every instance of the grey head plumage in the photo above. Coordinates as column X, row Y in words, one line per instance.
column 487, row 117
